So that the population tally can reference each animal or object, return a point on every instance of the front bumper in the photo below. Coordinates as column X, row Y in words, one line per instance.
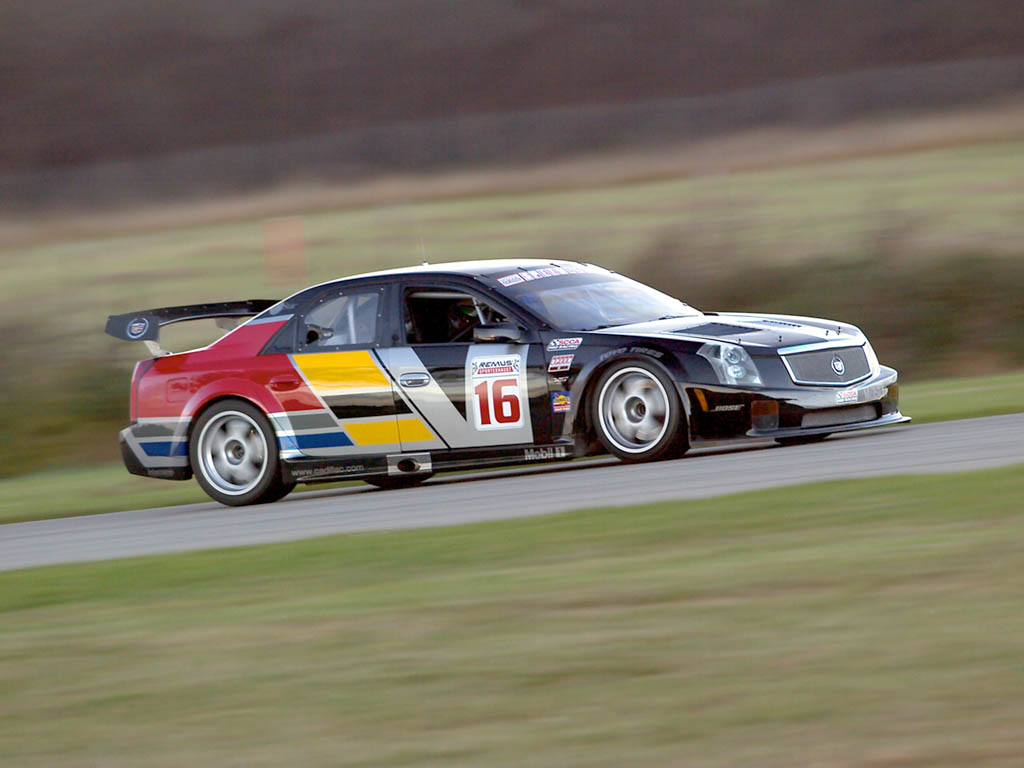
column 827, row 429
column 721, row 412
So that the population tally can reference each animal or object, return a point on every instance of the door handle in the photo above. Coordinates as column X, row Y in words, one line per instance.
column 284, row 383
column 414, row 379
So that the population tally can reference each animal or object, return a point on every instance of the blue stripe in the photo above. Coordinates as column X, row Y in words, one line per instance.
column 167, row 448
column 316, row 440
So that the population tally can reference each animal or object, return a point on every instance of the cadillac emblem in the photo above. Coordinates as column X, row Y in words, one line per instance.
column 838, row 365
column 137, row 328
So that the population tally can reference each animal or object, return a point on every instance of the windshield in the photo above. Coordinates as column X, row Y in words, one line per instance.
column 589, row 302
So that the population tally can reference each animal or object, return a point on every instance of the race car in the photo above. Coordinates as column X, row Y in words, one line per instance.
column 392, row 376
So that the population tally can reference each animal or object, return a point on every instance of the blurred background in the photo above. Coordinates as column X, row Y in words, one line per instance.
column 857, row 159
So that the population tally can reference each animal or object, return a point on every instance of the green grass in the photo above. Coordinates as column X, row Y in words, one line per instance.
column 871, row 623
column 94, row 490
column 88, row 491
column 964, row 398
column 109, row 488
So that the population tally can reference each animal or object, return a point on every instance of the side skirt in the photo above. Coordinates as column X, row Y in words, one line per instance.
column 354, row 468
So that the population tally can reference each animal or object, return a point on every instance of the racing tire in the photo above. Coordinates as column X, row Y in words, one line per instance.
column 636, row 412
column 801, row 439
column 393, row 482
column 234, row 455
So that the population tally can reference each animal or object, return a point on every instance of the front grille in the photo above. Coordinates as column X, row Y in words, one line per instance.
column 819, row 367
column 833, row 417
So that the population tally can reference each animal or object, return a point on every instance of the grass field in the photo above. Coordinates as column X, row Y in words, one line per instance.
column 109, row 488
column 860, row 623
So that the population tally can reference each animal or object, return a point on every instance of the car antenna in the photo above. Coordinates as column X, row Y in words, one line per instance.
column 423, row 253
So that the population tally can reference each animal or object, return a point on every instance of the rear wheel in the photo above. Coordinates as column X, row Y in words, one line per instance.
column 234, row 455
column 637, row 414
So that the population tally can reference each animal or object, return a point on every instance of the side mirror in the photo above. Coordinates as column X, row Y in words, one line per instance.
column 489, row 334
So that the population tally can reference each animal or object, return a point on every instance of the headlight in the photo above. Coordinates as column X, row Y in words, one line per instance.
column 732, row 364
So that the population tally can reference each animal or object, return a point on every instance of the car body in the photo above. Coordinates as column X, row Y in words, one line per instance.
column 393, row 376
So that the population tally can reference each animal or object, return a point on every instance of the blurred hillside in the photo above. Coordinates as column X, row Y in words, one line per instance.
column 232, row 95
column 856, row 159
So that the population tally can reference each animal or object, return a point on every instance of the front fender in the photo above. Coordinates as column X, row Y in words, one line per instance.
column 644, row 349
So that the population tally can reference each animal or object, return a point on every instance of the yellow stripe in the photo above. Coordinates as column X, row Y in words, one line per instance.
column 374, row 432
column 387, row 431
column 414, row 431
column 332, row 371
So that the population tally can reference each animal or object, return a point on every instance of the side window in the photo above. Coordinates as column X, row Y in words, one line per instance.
column 439, row 316
column 338, row 321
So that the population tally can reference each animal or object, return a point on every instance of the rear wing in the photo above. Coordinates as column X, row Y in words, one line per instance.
column 145, row 324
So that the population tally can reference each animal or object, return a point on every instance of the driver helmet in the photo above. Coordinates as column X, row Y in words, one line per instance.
column 462, row 314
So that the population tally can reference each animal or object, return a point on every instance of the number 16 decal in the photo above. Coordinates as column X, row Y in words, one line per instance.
column 496, row 392
column 500, row 399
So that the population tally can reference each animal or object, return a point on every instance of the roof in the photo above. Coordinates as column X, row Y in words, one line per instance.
column 481, row 267
column 478, row 267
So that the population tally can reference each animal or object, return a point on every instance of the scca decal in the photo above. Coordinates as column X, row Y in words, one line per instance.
column 847, row 396
column 564, row 345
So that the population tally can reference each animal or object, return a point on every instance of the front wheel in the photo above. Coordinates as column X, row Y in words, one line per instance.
column 234, row 455
column 637, row 414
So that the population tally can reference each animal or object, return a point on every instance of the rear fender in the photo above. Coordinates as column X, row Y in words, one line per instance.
column 232, row 387
column 238, row 389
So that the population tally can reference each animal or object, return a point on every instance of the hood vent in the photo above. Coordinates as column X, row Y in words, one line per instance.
column 716, row 329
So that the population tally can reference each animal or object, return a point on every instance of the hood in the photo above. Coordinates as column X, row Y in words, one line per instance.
column 748, row 330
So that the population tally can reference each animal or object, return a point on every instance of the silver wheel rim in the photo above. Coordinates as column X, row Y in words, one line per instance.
column 633, row 409
column 232, row 453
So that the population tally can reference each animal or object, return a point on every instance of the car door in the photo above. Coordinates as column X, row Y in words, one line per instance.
column 336, row 354
column 470, row 394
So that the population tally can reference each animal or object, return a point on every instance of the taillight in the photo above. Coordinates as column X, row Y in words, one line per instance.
column 141, row 369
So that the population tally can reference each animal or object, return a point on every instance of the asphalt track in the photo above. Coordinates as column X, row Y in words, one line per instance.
column 457, row 499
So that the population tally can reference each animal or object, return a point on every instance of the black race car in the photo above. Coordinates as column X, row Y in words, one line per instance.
column 393, row 376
